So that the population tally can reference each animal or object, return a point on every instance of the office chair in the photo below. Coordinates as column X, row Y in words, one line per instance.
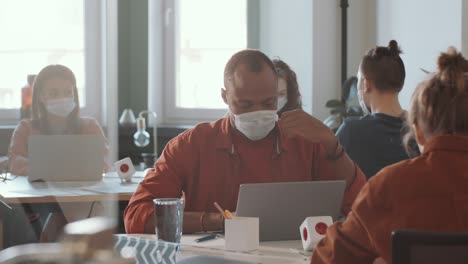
column 5, row 209
column 418, row 247
column 53, row 227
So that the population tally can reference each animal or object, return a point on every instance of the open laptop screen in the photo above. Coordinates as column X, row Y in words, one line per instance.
column 66, row 157
column 282, row 207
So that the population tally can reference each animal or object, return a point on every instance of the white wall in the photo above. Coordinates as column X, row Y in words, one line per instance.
column 109, row 80
column 361, row 31
column 326, row 43
column 306, row 35
column 424, row 29
column 465, row 28
column 286, row 32
column 156, row 18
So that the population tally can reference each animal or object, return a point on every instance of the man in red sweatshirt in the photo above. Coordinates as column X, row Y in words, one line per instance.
column 209, row 162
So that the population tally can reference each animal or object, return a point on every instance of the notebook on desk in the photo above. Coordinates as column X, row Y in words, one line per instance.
column 282, row 207
column 66, row 158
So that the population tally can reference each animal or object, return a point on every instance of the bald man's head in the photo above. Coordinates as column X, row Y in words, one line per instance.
column 250, row 82
column 253, row 60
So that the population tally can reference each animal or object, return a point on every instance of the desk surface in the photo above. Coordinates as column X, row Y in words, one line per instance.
column 268, row 252
column 17, row 189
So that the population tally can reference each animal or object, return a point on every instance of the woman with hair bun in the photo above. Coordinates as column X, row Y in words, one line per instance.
column 427, row 193
column 374, row 140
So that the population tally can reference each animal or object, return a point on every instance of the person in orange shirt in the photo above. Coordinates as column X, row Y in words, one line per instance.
column 427, row 193
column 209, row 162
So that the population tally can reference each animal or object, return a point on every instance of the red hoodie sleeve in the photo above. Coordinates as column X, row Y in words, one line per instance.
column 165, row 180
column 324, row 171
column 353, row 241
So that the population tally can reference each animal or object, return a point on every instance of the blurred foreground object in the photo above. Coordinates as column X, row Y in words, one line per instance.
column 88, row 241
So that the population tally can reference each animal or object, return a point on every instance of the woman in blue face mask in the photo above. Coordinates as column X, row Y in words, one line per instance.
column 289, row 97
column 55, row 111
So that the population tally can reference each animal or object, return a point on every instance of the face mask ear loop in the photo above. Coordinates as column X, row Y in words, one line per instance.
column 278, row 149
column 232, row 149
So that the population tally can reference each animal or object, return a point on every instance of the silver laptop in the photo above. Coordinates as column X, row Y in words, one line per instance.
column 282, row 207
column 66, row 158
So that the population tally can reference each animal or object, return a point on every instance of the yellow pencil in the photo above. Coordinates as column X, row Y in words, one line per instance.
column 220, row 209
column 227, row 214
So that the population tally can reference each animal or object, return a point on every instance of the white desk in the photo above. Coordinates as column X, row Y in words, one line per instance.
column 17, row 190
column 268, row 252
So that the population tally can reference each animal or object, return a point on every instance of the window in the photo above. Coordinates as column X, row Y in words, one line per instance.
column 199, row 38
column 202, row 49
column 38, row 33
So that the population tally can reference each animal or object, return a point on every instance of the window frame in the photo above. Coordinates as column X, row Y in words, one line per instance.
column 93, row 12
column 162, row 87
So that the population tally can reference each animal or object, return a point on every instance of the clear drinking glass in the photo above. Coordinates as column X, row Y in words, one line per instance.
column 169, row 215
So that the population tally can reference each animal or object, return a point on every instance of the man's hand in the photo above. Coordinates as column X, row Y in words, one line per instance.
column 299, row 123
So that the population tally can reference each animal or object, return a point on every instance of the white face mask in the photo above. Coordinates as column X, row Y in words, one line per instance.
column 256, row 125
column 282, row 102
column 60, row 107
column 364, row 108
